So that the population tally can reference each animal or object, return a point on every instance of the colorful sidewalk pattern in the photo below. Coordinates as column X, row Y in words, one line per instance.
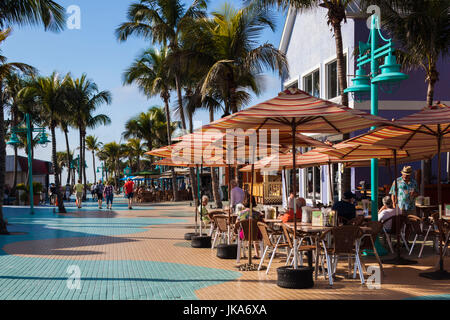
column 141, row 254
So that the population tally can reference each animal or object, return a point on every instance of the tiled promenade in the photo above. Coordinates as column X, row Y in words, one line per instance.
column 141, row 254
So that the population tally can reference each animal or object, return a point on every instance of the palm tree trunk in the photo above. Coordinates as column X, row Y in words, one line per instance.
column 180, row 100
column 84, row 167
column 68, row 155
column 93, row 165
column 3, row 228
column 80, row 172
column 432, row 78
column 214, row 177
column 192, row 175
column 342, row 78
column 61, row 207
column 165, row 97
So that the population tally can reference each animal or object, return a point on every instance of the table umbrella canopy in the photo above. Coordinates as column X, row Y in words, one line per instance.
column 294, row 111
column 294, row 107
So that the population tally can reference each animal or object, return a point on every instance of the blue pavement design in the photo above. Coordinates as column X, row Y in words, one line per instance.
column 47, row 279
column 434, row 297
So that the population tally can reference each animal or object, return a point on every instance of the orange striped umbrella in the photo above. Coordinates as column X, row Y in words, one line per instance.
column 294, row 110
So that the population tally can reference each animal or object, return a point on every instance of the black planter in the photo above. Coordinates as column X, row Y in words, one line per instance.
column 300, row 278
column 201, row 242
column 227, row 251
column 188, row 236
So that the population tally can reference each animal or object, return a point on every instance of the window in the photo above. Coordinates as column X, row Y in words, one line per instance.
column 332, row 78
column 311, row 83
column 312, row 182
column 293, row 85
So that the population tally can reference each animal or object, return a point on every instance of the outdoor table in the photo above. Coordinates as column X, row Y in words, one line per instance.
column 424, row 211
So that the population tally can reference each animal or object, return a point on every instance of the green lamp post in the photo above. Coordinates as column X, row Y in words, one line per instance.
column 103, row 170
column 43, row 140
column 127, row 171
column 365, row 86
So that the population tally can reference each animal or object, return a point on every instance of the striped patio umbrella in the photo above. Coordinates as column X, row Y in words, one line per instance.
column 425, row 131
column 295, row 111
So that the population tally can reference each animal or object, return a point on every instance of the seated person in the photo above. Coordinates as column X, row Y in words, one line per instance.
column 243, row 213
column 346, row 208
column 246, row 201
column 204, row 211
column 288, row 216
column 386, row 211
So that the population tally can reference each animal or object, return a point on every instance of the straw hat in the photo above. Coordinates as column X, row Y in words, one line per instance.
column 407, row 170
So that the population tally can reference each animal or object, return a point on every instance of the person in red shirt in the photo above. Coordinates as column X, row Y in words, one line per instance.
column 129, row 192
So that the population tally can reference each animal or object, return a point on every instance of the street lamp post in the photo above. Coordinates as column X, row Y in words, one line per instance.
column 365, row 85
column 42, row 141
column 103, row 168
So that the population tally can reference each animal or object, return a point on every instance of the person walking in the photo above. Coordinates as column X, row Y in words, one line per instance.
column 78, row 189
column 99, row 192
column 237, row 195
column 93, row 193
column 108, row 193
column 129, row 192
column 407, row 192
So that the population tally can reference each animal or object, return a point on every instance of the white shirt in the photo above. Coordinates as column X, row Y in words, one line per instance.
column 386, row 214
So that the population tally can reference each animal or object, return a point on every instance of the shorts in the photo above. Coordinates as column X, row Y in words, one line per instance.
column 100, row 196
column 109, row 199
column 79, row 195
column 130, row 195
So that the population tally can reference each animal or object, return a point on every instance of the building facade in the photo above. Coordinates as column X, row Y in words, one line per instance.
column 309, row 45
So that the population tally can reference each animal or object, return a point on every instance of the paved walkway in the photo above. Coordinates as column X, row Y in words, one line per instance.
column 141, row 254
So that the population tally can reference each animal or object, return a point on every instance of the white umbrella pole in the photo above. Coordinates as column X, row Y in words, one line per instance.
column 294, row 188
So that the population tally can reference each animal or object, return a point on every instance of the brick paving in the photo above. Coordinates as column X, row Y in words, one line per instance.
column 141, row 254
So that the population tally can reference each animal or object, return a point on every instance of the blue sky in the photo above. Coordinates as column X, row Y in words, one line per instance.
column 94, row 50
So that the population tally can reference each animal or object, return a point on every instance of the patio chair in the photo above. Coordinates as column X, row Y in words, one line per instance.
column 345, row 242
column 393, row 231
column 301, row 236
column 268, row 244
column 221, row 228
column 419, row 227
column 442, row 228
column 244, row 224
column 369, row 238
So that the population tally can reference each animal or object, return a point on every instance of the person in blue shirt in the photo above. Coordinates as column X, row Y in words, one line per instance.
column 346, row 208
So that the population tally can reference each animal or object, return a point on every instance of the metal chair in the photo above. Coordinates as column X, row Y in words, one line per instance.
column 419, row 227
column 268, row 244
column 221, row 223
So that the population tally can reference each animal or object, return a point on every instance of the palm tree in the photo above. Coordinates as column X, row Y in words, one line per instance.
column 6, row 70
column 49, row 95
column 421, row 28
column 93, row 145
column 163, row 22
column 151, row 72
column 61, row 158
column 113, row 152
column 136, row 150
column 237, row 61
column 85, row 98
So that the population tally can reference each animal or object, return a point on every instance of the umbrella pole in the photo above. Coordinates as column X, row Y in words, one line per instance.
column 229, row 202
column 196, row 209
column 440, row 274
column 398, row 260
column 200, row 199
column 331, row 183
column 294, row 189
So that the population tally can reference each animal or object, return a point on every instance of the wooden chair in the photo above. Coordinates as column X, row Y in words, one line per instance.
column 268, row 244
column 221, row 224
column 369, row 238
column 288, row 233
column 244, row 225
column 345, row 242
column 420, row 228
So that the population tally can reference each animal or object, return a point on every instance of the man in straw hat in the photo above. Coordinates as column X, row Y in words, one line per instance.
column 407, row 192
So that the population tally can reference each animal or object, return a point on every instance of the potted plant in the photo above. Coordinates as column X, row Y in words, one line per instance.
column 23, row 193
column 25, row 190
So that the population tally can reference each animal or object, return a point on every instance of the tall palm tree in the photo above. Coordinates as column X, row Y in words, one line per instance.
column 422, row 29
column 85, row 98
column 163, row 22
column 6, row 69
column 113, row 152
column 61, row 158
column 50, row 95
column 136, row 150
column 93, row 145
column 237, row 60
column 151, row 72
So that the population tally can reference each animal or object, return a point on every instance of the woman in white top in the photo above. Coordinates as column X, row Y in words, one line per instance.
column 386, row 211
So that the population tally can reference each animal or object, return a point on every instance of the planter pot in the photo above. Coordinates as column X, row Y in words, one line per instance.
column 188, row 236
column 300, row 278
column 227, row 251
column 201, row 242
